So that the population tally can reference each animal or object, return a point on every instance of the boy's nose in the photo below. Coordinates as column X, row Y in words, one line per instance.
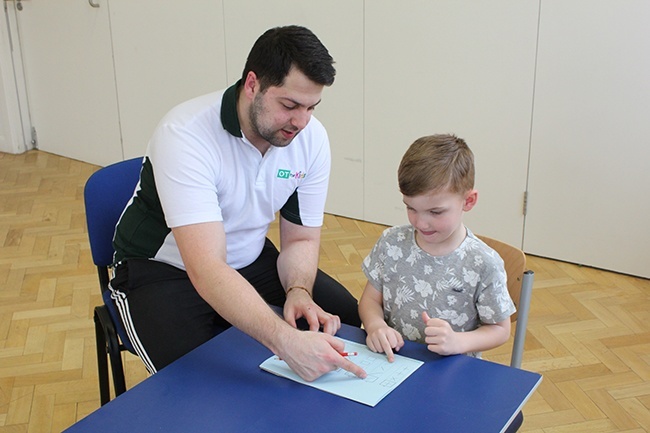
column 422, row 224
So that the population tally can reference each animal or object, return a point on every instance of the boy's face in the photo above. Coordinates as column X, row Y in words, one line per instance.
column 437, row 219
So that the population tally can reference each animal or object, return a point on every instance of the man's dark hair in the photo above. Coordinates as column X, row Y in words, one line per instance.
column 280, row 48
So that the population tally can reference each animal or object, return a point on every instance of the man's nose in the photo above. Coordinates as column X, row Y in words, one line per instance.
column 301, row 118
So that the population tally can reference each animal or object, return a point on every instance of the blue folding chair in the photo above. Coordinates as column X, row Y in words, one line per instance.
column 105, row 195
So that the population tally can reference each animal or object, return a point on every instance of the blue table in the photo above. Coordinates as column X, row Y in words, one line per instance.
column 220, row 387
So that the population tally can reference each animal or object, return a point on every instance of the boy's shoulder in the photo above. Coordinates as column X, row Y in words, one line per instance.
column 475, row 245
column 397, row 232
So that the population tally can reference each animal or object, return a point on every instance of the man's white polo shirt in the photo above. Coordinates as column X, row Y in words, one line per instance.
column 199, row 168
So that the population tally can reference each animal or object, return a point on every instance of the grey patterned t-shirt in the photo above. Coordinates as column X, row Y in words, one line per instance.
column 466, row 287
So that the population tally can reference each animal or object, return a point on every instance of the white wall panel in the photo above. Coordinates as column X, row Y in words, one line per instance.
column 590, row 147
column 451, row 67
column 166, row 52
column 66, row 47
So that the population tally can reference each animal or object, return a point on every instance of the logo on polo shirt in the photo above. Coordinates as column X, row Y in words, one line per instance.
column 288, row 174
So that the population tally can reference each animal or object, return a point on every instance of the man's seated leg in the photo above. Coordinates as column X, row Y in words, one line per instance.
column 163, row 312
column 332, row 297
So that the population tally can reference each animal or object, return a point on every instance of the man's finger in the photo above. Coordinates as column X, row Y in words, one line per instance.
column 328, row 326
column 353, row 368
column 312, row 319
column 290, row 319
column 331, row 323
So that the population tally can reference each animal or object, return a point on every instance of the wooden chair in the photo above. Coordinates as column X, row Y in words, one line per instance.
column 520, row 286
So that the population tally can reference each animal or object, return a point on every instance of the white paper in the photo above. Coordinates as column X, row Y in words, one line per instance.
column 383, row 376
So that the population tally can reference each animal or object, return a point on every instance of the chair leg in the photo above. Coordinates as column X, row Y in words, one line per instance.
column 102, row 362
column 112, row 347
column 119, row 382
column 522, row 319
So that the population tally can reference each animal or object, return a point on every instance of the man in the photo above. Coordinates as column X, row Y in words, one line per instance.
column 191, row 250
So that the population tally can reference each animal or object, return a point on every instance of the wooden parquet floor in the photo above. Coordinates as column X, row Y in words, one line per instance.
column 588, row 333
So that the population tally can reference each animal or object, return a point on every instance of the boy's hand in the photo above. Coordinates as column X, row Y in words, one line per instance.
column 385, row 339
column 439, row 336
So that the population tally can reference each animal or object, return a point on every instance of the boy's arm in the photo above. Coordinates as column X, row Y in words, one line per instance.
column 381, row 337
column 443, row 340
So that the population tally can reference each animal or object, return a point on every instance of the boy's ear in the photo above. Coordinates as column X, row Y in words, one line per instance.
column 471, row 197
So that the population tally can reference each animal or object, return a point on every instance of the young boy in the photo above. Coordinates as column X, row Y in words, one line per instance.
column 433, row 281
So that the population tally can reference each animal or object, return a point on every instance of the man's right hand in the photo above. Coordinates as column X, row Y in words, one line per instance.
column 313, row 354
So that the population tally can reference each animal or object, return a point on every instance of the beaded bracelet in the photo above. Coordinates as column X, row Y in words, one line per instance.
column 298, row 287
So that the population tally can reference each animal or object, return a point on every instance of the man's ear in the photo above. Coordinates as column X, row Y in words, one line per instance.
column 471, row 197
column 251, row 84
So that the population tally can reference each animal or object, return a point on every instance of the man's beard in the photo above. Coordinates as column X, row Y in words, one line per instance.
column 274, row 137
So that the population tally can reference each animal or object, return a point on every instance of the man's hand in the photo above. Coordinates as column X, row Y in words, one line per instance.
column 312, row 354
column 300, row 304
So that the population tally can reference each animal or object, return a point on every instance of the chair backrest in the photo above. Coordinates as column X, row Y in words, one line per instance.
column 106, row 193
column 520, row 284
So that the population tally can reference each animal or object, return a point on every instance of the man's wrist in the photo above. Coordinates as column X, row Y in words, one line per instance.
column 296, row 287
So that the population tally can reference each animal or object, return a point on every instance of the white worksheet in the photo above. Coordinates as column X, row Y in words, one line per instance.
column 383, row 376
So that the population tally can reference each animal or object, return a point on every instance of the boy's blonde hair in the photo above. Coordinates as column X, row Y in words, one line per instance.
column 441, row 162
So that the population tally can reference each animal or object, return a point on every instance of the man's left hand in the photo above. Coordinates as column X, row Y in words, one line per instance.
column 299, row 304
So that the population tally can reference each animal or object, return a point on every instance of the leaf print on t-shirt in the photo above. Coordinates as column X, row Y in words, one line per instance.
column 392, row 271
column 416, row 254
column 450, row 284
column 374, row 273
column 412, row 258
column 403, row 295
